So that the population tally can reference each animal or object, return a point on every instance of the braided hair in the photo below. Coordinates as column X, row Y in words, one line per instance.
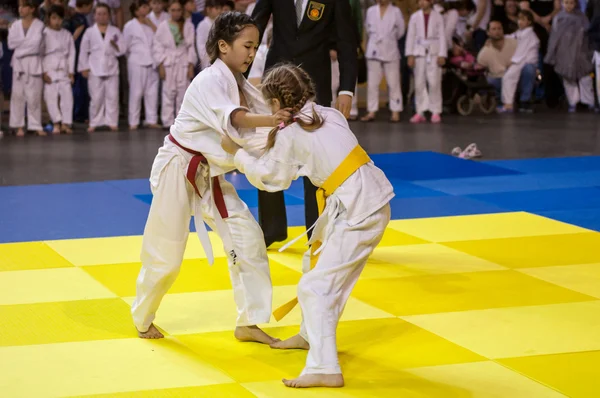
column 292, row 86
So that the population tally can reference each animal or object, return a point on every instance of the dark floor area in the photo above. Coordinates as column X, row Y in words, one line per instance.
column 124, row 155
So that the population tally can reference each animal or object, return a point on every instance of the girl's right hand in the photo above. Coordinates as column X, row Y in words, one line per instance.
column 161, row 72
column 46, row 78
column 282, row 115
column 85, row 73
column 411, row 61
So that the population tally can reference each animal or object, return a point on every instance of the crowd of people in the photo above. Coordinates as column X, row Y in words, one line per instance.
column 83, row 63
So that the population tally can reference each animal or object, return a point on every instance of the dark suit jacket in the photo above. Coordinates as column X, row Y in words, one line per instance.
column 308, row 45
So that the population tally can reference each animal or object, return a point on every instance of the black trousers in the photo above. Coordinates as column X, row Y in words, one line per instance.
column 272, row 216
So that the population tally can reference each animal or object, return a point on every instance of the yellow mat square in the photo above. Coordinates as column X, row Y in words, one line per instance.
column 58, row 284
column 483, row 226
column 44, row 323
column 215, row 311
column 583, row 278
column 392, row 237
column 460, row 292
column 96, row 367
column 195, row 276
column 425, row 259
column 519, row 331
column 123, row 249
column 575, row 374
column 472, row 380
column 30, row 255
column 478, row 380
column 535, row 251
column 362, row 346
column 232, row 390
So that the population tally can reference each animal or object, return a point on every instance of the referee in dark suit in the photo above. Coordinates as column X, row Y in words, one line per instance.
column 303, row 31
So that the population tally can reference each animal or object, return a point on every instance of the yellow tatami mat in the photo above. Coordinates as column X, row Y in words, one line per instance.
column 500, row 305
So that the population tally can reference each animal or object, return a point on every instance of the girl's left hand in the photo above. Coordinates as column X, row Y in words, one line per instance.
column 229, row 146
column 441, row 61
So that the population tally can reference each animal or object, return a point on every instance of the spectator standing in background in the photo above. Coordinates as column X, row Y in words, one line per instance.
column 77, row 25
column 569, row 53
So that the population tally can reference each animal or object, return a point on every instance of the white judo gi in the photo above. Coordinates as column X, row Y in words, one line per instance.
column 143, row 76
column 58, row 62
column 202, row 32
column 528, row 48
column 27, row 83
column 426, row 47
column 203, row 119
column 451, row 18
column 350, row 227
column 383, row 55
column 164, row 16
column 176, row 61
column 97, row 55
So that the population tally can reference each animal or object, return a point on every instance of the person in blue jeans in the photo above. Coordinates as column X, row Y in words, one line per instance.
column 496, row 56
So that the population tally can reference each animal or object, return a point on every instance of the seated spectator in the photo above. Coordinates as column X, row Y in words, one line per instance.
column 496, row 56
column 464, row 60
column 508, row 15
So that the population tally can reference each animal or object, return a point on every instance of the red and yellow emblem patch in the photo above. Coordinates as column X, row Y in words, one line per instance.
column 314, row 11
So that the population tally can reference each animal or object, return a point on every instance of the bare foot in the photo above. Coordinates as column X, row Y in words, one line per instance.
column 41, row 133
column 133, row 128
column 66, row 129
column 56, row 129
column 20, row 133
column 152, row 333
column 253, row 333
column 294, row 342
column 91, row 129
column 316, row 380
column 154, row 126
column 114, row 128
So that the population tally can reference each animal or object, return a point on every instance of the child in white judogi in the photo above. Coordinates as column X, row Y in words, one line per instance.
column 527, row 52
column 385, row 26
column 174, row 53
column 158, row 14
column 25, row 38
column 58, row 65
column 213, row 8
column 427, row 52
column 101, row 46
column 354, row 209
column 188, row 179
column 143, row 75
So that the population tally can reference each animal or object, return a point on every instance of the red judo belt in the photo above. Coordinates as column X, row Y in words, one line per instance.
column 191, row 177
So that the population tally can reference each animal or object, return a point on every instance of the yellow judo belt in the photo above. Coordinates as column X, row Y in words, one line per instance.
column 349, row 165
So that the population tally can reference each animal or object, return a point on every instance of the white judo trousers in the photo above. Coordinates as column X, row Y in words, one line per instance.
column 143, row 85
column 104, row 100
column 428, row 85
column 173, row 90
column 58, row 96
column 166, row 234
column 26, row 91
column 580, row 91
column 324, row 290
column 335, row 85
column 510, row 81
column 391, row 70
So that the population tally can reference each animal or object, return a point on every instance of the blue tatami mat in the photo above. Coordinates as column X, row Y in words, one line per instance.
column 426, row 184
column 414, row 166
column 544, row 199
column 549, row 165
